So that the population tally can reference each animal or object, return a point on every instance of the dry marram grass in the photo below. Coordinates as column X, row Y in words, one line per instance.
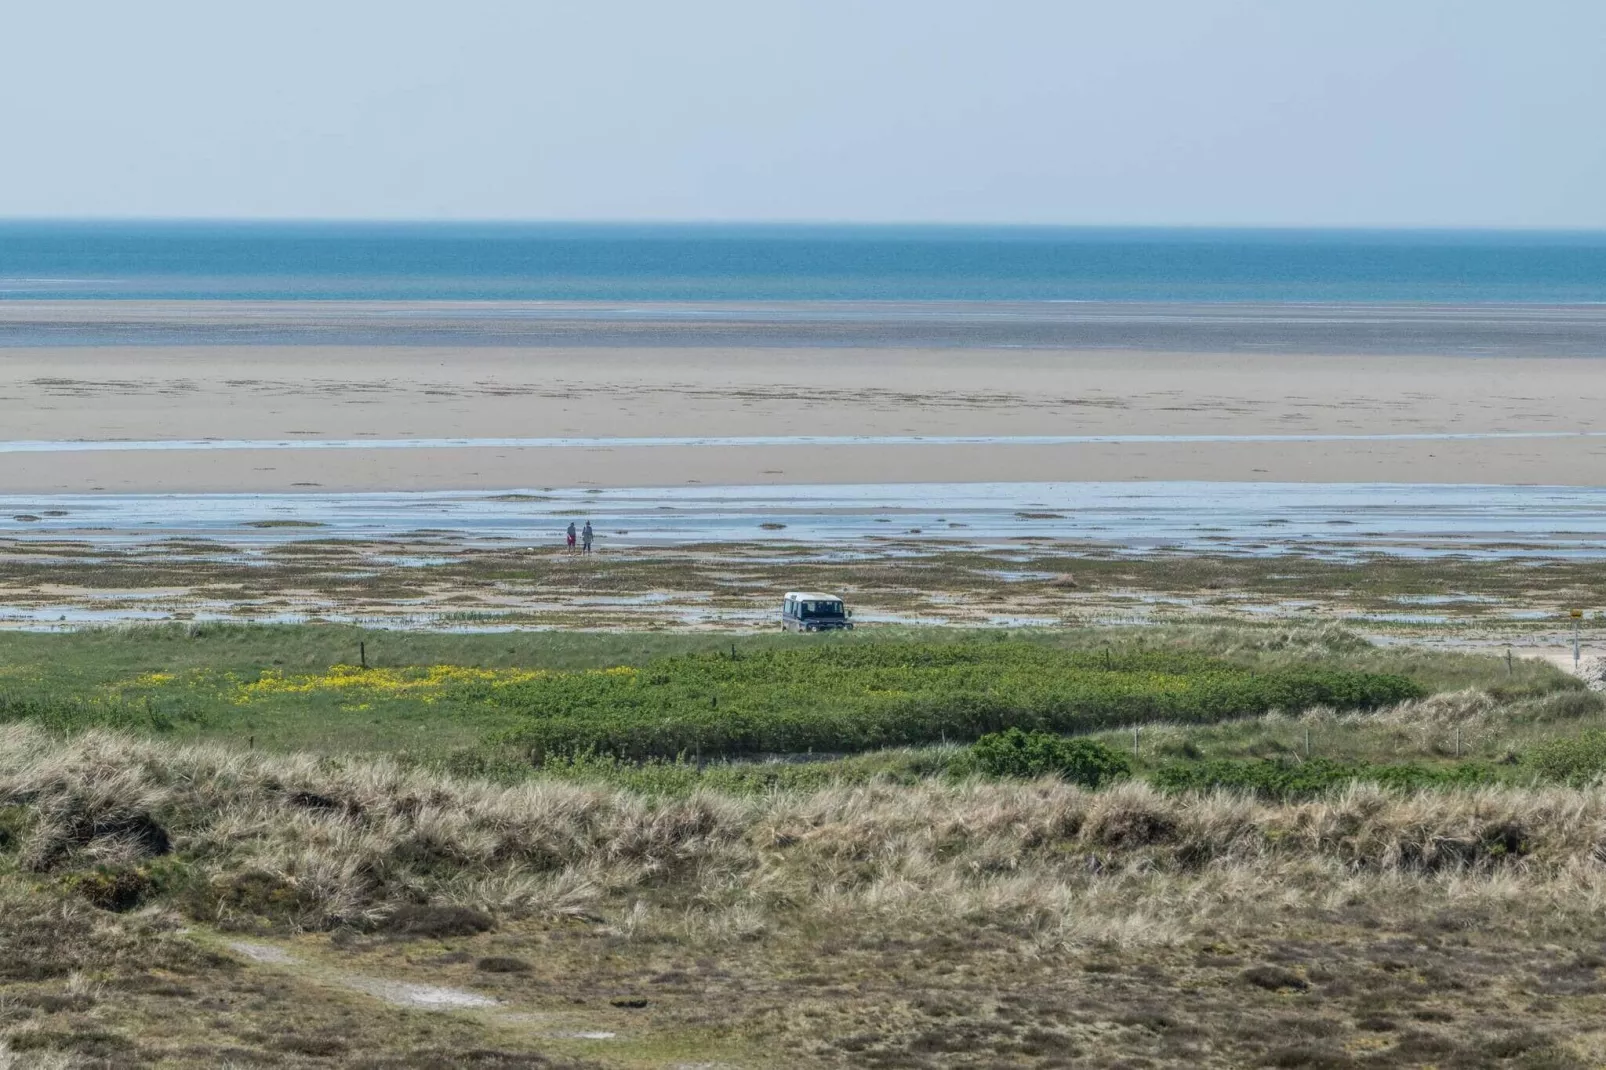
column 1010, row 883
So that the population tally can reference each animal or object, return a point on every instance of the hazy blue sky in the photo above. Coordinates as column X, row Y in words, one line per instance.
column 1436, row 112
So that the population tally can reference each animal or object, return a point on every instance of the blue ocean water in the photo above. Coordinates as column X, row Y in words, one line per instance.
column 595, row 262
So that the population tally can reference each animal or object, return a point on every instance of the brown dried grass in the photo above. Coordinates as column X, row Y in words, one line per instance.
column 349, row 843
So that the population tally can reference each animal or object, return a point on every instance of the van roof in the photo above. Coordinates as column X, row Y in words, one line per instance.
column 813, row 596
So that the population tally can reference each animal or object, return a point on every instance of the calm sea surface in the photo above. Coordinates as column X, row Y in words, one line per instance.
column 612, row 263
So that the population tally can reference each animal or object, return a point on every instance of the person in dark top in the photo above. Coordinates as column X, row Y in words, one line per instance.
column 571, row 536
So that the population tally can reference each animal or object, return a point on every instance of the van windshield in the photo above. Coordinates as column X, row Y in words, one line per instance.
column 808, row 610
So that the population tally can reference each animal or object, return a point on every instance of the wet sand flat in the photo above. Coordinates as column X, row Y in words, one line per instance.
column 1549, row 462
column 270, row 392
column 1328, row 520
column 1336, row 328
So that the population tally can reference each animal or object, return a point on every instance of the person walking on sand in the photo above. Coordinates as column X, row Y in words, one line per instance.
column 585, row 538
column 571, row 536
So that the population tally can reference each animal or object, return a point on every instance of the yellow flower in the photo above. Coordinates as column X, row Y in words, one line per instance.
column 425, row 684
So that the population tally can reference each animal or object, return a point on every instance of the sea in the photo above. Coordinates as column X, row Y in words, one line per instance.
column 1468, row 293
column 1178, row 290
column 769, row 263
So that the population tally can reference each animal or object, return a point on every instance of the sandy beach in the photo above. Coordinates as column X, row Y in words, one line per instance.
column 418, row 392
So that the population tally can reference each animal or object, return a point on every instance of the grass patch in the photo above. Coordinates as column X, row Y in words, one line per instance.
column 863, row 696
column 1283, row 779
column 273, row 687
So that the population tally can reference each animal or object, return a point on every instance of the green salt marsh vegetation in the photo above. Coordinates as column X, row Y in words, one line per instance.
column 333, row 687
column 673, row 710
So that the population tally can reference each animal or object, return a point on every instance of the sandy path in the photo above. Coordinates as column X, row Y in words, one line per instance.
column 414, row 995
column 272, row 392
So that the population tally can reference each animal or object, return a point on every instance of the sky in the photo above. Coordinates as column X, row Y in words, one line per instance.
column 1165, row 112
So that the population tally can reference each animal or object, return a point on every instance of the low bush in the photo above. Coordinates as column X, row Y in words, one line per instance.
column 1283, row 779
column 1574, row 759
column 112, row 888
column 1275, row 978
column 121, row 888
column 502, row 964
column 436, row 921
column 1014, row 753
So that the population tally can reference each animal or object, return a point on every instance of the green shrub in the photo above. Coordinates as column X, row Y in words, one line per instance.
column 1574, row 759
column 1281, row 779
column 115, row 888
column 838, row 698
column 124, row 887
column 1013, row 753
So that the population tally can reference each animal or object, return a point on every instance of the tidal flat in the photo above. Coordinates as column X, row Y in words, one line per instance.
column 438, row 581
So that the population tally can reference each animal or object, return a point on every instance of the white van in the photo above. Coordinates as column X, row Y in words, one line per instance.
column 805, row 611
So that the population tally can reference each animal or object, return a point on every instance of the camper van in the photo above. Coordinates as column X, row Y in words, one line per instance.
column 802, row 611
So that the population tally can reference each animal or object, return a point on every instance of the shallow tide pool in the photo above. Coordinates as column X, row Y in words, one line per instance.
column 1334, row 519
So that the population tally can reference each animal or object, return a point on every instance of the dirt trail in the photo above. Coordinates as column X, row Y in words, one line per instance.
column 418, row 996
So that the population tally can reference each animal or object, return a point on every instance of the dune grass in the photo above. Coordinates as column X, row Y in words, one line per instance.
column 937, row 924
